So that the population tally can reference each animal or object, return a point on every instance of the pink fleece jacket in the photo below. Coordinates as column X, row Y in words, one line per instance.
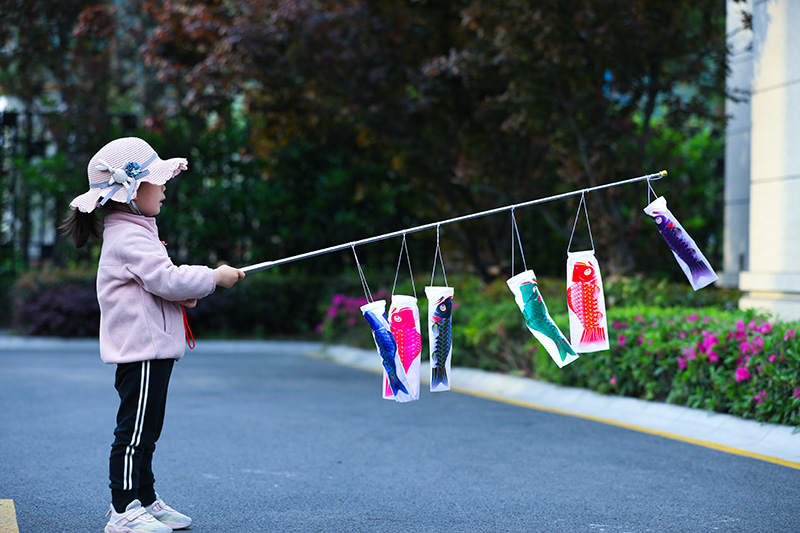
column 138, row 288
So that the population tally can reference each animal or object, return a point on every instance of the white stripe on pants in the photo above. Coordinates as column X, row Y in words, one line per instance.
column 144, row 385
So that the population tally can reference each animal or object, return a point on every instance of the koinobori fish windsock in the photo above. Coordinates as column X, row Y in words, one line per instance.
column 526, row 293
column 588, row 327
column 405, row 327
column 692, row 261
column 440, row 335
column 387, row 349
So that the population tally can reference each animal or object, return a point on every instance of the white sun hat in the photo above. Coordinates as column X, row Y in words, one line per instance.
column 117, row 170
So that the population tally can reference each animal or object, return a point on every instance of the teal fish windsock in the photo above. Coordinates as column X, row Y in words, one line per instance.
column 537, row 318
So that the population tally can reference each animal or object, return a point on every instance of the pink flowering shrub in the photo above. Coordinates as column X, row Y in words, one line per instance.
column 729, row 361
column 736, row 362
column 344, row 323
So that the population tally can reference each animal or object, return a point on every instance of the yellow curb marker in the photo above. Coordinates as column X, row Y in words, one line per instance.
column 8, row 517
column 673, row 436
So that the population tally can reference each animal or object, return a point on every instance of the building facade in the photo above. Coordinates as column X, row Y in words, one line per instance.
column 762, row 157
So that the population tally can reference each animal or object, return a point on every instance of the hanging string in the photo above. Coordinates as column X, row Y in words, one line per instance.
column 513, row 225
column 651, row 190
column 515, row 229
column 441, row 259
column 367, row 292
column 404, row 245
column 585, row 210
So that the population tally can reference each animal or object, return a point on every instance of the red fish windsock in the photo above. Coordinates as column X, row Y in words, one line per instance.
column 691, row 260
column 526, row 293
column 404, row 324
column 588, row 326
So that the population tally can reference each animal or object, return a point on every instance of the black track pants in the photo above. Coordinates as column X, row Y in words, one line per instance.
column 142, row 388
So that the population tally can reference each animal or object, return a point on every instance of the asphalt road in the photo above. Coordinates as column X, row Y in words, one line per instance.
column 267, row 439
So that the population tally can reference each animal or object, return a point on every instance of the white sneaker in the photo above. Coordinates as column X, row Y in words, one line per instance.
column 167, row 515
column 135, row 518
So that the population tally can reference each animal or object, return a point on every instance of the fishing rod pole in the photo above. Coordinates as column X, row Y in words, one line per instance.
column 269, row 264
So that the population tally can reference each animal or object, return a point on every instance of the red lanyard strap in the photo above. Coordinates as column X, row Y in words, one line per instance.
column 189, row 336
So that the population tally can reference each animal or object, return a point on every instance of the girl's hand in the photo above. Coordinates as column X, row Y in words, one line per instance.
column 227, row 276
column 189, row 304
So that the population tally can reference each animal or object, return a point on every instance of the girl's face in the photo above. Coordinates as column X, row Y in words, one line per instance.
column 149, row 198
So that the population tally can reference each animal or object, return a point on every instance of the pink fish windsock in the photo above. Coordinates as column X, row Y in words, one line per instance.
column 387, row 349
column 440, row 335
column 691, row 260
column 588, row 326
column 405, row 327
column 526, row 293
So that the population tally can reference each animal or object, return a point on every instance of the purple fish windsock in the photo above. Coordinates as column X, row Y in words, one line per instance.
column 586, row 304
column 387, row 349
column 440, row 335
column 526, row 293
column 405, row 326
column 691, row 260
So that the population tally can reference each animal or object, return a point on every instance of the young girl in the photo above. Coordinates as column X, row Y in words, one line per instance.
column 140, row 292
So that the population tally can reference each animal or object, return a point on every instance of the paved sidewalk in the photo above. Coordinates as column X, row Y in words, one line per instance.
column 770, row 442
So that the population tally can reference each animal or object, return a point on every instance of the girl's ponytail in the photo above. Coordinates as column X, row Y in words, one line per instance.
column 79, row 226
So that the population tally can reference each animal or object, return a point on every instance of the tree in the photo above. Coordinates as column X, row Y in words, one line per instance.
column 472, row 104
column 587, row 86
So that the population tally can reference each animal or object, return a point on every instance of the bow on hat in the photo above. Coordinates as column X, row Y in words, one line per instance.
column 122, row 177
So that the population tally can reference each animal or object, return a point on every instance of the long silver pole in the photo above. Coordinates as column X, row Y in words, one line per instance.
column 269, row 264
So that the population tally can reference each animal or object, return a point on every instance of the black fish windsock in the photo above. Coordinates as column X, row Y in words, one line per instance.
column 691, row 260
column 440, row 335
column 537, row 318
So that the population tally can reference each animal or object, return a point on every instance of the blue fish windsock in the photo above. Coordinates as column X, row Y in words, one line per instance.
column 387, row 349
column 691, row 260
column 440, row 335
column 526, row 293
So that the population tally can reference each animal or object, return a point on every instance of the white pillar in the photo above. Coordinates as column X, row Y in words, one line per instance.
column 772, row 277
column 737, row 146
